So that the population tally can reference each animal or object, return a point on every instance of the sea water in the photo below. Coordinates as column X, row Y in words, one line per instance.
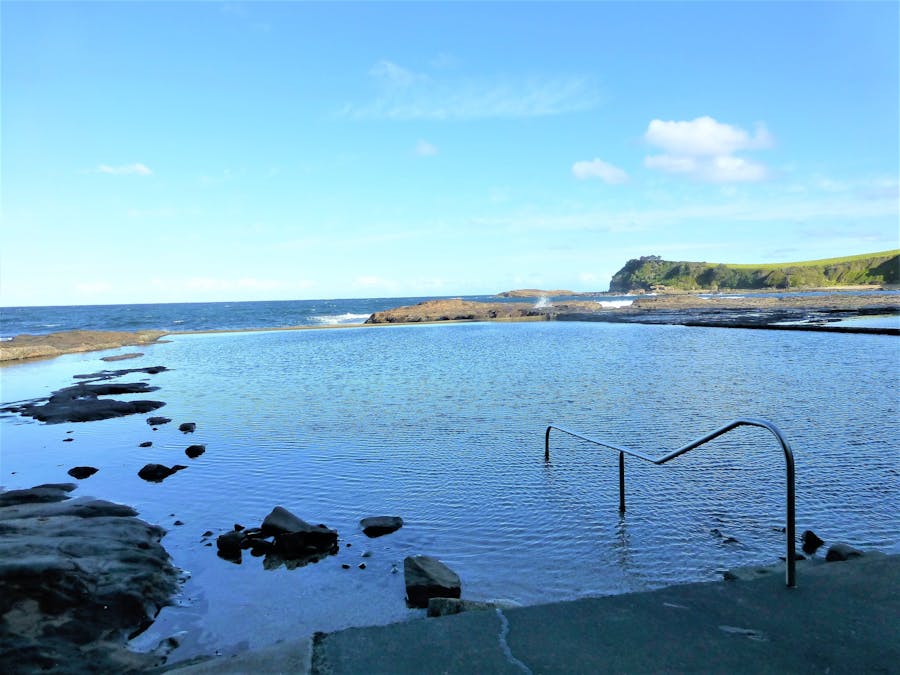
column 444, row 426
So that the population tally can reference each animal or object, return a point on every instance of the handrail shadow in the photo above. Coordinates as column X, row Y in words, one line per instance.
column 790, row 555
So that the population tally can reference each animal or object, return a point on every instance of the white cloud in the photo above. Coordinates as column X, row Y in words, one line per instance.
column 597, row 168
column 704, row 136
column 403, row 94
column 426, row 149
column 126, row 169
column 704, row 149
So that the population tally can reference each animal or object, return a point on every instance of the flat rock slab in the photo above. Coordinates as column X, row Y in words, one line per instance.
column 427, row 578
column 77, row 576
column 378, row 526
column 842, row 618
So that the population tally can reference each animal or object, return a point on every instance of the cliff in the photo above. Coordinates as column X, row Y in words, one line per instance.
column 653, row 273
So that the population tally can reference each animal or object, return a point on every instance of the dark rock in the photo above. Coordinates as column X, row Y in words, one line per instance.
column 158, row 472
column 229, row 544
column 238, row 527
column 145, row 444
column 68, row 440
column 810, row 542
column 110, row 374
column 294, row 537
column 178, row 523
column 187, row 427
column 448, row 606
column 80, row 472
column 362, row 566
column 345, row 566
column 80, row 403
column 40, row 494
column 158, row 421
column 428, row 577
column 840, row 552
column 377, row 526
column 208, row 533
column 194, row 451
column 80, row 572
column 281, row 520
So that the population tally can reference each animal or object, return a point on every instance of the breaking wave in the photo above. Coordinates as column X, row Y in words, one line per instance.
column 339, row 319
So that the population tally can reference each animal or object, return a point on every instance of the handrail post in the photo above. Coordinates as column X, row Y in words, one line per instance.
column 790, row 506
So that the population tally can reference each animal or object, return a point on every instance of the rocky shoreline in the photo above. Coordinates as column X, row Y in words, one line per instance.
column 806, row 312
column 26, row 347
column 78, row 578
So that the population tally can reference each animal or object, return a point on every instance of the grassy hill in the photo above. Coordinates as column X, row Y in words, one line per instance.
column 652, row 272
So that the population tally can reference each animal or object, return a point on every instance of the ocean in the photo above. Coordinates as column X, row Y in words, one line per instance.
column 444, row 425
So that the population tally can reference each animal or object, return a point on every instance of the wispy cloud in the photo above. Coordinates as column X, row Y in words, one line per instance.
column 597, row 168
column 137, row 169
column 705, row 149
column 426, row 149
column 403, row 94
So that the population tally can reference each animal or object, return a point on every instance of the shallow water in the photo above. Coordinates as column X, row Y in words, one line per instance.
column 443, row 425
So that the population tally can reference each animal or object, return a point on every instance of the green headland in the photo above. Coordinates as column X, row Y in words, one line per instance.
column 650, row 273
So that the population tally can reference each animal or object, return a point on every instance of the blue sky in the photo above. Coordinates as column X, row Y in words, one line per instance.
column 173, row 151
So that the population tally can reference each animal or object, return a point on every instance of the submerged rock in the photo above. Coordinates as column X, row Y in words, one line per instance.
column 80, row 403
column 158, row 421
column 377, row 526
column 81, row 472
column 448, row 606
column 840, row 552
column 427, row 578
column 122, row 357
column 187, row 427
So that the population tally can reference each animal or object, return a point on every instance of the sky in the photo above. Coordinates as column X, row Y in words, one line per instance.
column 181, row 152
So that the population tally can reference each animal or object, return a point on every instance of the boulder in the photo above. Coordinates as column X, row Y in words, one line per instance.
column 80, row 472
column 295, row 538
column 840, row 552
column 810, row 542
column 377, row 526
column 187, row 427
column 156, row 473
column 427, row 578
column 448, row 606
column 158, row 421
column 194, row 451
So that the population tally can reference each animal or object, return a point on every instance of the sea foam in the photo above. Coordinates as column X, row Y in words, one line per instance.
column 338, row 319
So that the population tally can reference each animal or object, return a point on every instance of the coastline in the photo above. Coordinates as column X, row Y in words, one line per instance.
column 804, row 311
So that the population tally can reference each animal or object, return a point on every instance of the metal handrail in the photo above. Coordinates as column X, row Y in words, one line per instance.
column 790, row 573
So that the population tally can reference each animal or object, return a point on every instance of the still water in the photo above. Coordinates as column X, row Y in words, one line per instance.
column 443, row 425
